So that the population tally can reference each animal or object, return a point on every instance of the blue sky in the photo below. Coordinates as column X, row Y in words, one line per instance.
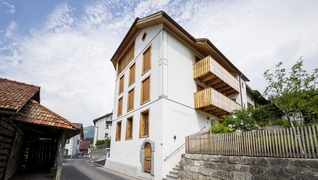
column 65, row 46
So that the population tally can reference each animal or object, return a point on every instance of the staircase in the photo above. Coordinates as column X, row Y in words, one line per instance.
column 173, row 175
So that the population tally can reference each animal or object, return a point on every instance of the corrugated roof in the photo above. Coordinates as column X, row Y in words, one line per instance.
column 13, row 95
column 35, row 113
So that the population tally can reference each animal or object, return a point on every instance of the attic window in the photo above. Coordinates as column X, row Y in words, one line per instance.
column 144, row 36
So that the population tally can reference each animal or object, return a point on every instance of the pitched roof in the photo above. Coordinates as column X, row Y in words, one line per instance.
column 203, row 45
column 84, row 144
column 13, row 95
column 35, row 113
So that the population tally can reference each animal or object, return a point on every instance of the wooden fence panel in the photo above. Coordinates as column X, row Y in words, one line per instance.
column 300, row 142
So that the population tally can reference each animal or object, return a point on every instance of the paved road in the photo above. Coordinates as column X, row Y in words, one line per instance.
column 81, row 169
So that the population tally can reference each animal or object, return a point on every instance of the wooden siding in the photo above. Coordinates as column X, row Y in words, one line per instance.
column 213, row 74
column 213, row 102
column 300, row 142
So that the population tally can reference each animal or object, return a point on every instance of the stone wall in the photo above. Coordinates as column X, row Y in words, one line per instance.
column 216, row 167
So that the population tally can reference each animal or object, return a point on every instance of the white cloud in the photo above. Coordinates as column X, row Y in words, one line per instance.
column 11, row 8
column 69, row 57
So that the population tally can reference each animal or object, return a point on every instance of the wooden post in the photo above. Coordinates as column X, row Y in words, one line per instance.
column 59, row 156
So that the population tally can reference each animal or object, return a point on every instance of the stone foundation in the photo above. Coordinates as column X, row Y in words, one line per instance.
column 216, row 167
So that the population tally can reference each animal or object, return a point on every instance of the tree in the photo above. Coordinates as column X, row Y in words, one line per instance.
column 101, row 142
column 294, row 93
column 246, row 119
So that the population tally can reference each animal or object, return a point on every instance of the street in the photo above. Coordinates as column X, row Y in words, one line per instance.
column 81, row 169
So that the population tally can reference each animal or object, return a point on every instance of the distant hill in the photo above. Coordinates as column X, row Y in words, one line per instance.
column 89, row 131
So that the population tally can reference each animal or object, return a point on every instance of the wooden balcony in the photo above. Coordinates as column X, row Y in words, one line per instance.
column 211, row 73
column 213, row 102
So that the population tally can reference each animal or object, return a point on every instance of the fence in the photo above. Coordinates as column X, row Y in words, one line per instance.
column 300, row 142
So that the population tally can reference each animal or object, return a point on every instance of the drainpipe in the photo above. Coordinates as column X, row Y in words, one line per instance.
column 241, row 90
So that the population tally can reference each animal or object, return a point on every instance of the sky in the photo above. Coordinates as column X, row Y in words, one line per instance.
column 65, row 46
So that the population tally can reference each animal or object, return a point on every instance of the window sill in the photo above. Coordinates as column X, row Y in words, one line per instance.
column 144, row 136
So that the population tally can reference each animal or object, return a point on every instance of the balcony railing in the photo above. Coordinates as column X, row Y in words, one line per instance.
column 213, row 102
column 208, row 71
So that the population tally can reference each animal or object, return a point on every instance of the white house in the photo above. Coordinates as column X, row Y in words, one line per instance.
column 72, row 145
column 103, row 127
column 169, row 85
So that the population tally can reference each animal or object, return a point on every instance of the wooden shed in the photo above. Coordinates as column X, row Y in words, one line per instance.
column 31, row 135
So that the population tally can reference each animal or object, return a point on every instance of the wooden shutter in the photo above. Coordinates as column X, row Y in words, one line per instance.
column 121, row 85
column 126, row 58
column 120, row 106
column 146, row 60
column 144, row 124
column 118, row 131
column 132, row 74
column 131, row 98
column 129, row 126
column 145, row 90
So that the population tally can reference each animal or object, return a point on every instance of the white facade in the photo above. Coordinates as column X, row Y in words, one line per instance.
column 103, row 127
column 172, row 115
column 72, row 146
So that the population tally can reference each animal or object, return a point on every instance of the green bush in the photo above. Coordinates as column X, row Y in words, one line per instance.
column 218, row 128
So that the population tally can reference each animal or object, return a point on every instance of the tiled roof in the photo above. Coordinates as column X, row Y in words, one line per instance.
column 13, row 95
column 35, row 113
column 84, row 144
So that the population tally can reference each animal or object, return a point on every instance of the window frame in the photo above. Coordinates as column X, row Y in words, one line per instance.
column 143, row 68
column 129, row 103
column 132, row 75
column 118, row 130
column 120, row 106
column 142, row 133
column 142, row 101
column 121, row 84
column 130, row 121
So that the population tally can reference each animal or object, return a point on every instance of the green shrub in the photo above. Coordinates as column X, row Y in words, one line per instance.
column 218, row 128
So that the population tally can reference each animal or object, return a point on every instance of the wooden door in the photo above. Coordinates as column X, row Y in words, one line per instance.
column 147, row 156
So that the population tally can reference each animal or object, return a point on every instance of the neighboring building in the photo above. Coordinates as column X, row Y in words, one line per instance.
column 72, row 145
column 103, row 127
column 168, row 85
column 32, row 137
column 84, row 146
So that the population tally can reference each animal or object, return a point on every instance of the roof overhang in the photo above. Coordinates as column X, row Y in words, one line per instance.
column 203, row 45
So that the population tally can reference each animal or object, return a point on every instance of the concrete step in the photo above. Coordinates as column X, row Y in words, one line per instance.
column 173, row 175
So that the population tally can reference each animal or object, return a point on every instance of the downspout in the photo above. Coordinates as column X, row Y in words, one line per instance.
column 241, row 90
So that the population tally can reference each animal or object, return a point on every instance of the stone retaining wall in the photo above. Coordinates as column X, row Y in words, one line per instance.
column 216, row 167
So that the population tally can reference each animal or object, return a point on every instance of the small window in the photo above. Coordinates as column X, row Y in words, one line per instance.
column 106, row 135
column 118, row 131
column 145, row 90
column 144, row 36
column 68, row 141
column 107, row 126
column 146, row 60
column 131, row 98
column 129, row 128
column 120, row 107
column 78, row 141
column 121, row 85
column 132, row 73
column 242, row 85
column 144, row 124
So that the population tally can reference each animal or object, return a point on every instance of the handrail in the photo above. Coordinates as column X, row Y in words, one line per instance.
column 170, row 155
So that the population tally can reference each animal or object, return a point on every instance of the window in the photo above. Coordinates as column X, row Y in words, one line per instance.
column 129, row 128
column 144, row 36
column 145, row 90
column 66, row 151
column 131, row 97
column 120, row 106
column 144, row 124
column 146, row 60
column 106, row 135
column 121, row 85
column 242, row 85
column 126, row 58
column 132, row 74
column 68, row 141
column 77, row 141
column 118, row 131
column 107, row 126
